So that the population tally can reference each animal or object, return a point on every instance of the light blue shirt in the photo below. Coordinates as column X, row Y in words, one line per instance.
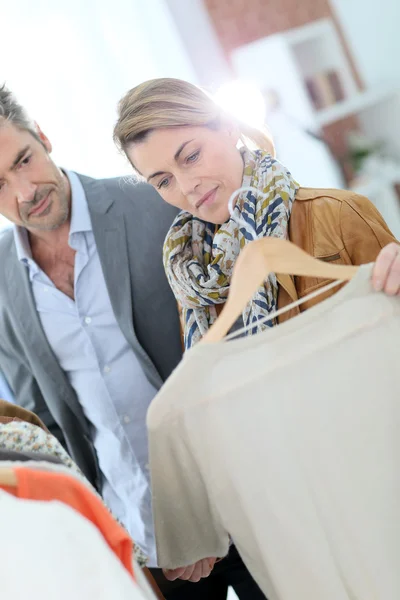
column 103, row 370
column 5, row 392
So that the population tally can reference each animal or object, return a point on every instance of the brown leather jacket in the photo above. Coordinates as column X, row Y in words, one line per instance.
column 336, row 226
column 333, row 225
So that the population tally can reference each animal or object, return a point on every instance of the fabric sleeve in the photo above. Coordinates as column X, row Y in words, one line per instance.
column 186, row 527
column 363, row 229
column 62, row 555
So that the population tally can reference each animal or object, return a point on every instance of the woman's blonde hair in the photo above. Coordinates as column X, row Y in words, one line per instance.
column 162, row 103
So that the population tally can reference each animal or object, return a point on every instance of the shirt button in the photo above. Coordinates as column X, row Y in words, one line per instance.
column 88, row 320
column 107, row 369
column 127, row 419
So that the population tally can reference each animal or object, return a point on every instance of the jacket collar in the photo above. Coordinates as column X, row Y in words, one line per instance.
column 287, row 282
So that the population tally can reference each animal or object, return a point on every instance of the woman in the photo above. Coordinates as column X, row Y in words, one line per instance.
column 179, row 140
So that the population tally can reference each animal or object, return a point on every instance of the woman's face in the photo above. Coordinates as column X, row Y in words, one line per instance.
column 195, row 169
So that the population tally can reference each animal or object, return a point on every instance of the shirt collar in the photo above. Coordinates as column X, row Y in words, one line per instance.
column 80, row 219
column 22, row 245
column 80, row 216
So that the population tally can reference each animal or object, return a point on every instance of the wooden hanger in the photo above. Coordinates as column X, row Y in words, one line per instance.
column 255, row 262
column 8, row 477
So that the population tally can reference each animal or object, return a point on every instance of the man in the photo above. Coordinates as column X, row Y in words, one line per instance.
column 89, row 329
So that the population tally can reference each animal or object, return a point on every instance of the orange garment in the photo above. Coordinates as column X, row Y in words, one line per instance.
column 45, row 486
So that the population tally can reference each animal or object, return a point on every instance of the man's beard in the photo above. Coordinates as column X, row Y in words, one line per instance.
column 60, row 203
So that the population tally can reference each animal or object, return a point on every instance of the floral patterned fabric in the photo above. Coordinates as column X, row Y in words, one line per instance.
column 25, row 437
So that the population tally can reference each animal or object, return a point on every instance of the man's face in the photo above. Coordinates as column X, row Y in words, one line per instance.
column 33, row 191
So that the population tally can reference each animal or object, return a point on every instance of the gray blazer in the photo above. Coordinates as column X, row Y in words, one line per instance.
column 129, row 223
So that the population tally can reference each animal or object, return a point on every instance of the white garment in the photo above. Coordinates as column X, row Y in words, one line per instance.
column 138, row 556
column 289, row 441
column 50, row 551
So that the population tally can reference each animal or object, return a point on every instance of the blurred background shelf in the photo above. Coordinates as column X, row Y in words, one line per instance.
column 313, row 94
column 357, row 103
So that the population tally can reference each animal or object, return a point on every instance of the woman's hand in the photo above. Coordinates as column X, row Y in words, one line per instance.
column 199, row 570
column 386, row 273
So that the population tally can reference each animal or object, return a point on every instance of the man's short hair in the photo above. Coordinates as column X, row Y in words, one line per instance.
column 12, row 112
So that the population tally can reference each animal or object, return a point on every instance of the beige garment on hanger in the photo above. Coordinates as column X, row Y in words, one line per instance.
column 288, row 441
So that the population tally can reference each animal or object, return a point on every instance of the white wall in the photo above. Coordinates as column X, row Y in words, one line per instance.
column 371, row 28
column 70, row 62
column 197, row 32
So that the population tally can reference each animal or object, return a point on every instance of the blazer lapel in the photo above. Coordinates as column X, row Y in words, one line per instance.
column 110, row 236
column 109, row 229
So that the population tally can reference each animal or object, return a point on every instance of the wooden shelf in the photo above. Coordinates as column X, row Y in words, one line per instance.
column 354, row 105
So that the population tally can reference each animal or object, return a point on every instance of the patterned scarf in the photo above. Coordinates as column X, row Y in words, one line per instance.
column 199, row 260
